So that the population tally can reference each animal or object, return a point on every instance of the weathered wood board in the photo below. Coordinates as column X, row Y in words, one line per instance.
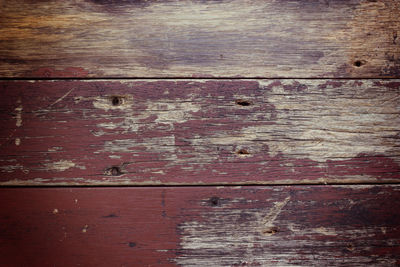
column 307, row 123
column 199, row 132
column 201, row 226
column 200, row 38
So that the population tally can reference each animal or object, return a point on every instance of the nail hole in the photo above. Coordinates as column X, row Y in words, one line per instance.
column 116, row 100
column 114, row 171
column 132, row 244
column 214, row 201
column 242, row 152
column 350, row 247
column 358, row 63
column 270, row 231
column 243, row 103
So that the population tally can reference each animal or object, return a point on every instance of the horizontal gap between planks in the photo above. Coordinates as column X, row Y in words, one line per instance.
column 191, row 78
column 196, row 185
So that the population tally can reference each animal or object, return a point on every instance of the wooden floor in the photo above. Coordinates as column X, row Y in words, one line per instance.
column 200, row 133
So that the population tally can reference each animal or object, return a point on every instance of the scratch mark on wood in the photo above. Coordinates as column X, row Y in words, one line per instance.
column 269, row 227
column 61, row 98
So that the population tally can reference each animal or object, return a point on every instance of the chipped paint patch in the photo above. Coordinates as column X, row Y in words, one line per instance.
column 85, row 228
column 383, row 229
column 60, row 165
column 18, row 116
column 165, row 144
column 172, row 112
column 11, row 168
column 17, row 141
column 54, row 149
column 163, row 112
column 325, row 231
column 98, row 133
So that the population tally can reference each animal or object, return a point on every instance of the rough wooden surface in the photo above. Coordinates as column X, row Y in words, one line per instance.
column 171, row 38
column 201, row 226
column 199, row 132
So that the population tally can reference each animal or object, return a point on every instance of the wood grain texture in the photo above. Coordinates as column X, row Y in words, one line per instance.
column 200, row 38
column 199, row 132
column 201, row 226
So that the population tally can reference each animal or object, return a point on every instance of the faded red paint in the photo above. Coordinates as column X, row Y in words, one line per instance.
column 146, row 226
column 332, row 83
column 70, row 72
column 390, row 85
column 89, row 227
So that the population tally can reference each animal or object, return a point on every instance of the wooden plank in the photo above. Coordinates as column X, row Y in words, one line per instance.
column 201, row 226
column 198, row 38
column 199, row 132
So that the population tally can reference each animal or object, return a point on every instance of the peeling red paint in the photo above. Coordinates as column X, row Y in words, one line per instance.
column 334, row 84
column 390, row 85
column 182, row 132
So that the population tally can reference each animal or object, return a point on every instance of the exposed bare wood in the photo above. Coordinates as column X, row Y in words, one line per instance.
column 199, row 132
column 171, row 38
column 191, row 131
